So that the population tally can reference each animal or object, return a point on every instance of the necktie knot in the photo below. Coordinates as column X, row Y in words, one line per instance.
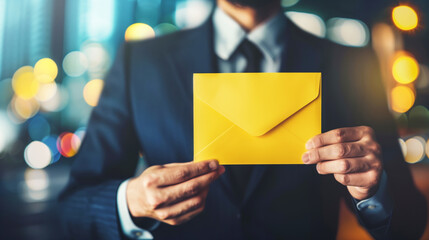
column 252, row 54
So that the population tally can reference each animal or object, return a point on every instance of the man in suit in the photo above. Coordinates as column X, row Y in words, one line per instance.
column 146, row 106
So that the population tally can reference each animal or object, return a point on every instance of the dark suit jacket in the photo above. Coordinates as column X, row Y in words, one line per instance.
column 146, row 106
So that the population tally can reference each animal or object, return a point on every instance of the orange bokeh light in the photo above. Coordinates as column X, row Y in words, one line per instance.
column 68, row 144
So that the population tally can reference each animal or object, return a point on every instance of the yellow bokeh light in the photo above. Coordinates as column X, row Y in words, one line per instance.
column 405, row 69
column 405, row 18
column 402, row 98
column 24, row 83
column 138, row 31
column 46, row 70
column 24, row 108
column 92, row 91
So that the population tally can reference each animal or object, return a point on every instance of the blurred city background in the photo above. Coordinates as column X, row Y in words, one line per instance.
column 54, row 55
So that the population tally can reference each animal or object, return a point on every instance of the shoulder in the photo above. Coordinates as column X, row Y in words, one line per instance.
column 168, row 43
column 328, row 47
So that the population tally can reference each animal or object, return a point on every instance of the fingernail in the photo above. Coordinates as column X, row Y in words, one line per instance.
column 213, row 165
column 309, row 145
column 306, row 157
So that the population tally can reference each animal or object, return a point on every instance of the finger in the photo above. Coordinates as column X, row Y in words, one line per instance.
column 190, row 188
column 364, row 179
column 343, row 166
column 185, row 218
column 339, row 135
column 185, row 171
column 182, row 208
column 177, row 164
column 333, row 152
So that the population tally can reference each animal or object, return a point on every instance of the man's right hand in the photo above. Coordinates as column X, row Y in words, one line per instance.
column 172, row 193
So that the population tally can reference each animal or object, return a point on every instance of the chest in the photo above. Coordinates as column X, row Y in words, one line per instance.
column 162, row 105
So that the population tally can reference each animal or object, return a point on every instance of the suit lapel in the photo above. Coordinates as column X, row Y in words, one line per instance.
column 197, row 56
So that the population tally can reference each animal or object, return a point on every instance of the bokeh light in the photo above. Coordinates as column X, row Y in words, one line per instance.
column 92, row 91
column 24, row 83
column 45, row 70
column 348, row 32
column 57, row 102
column 75, row 64
column 36, row 186
column 165, row 28
column 68, row 144
column 405, row 68
column 415, row 149
column 46, row 92
column 24, row 108
column 308, row 22
column 190, row 14
column 419, row 117
column 402, row 98
column 289, row 3
column 405, row 18
column 38, row 127
column 37, row 155
column 138, row 32
column 51, row 142
column 36, row 179
column 98, row 59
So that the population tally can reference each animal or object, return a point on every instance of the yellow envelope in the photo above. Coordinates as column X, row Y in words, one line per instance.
column 255, row 118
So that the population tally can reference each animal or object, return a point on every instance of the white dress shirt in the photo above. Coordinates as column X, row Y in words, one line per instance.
column 270, row 38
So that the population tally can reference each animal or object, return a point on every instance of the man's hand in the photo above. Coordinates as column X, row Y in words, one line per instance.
column 352, row 155
column 172, row 193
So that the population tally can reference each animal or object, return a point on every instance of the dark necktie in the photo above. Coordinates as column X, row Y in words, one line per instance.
column 240, row 174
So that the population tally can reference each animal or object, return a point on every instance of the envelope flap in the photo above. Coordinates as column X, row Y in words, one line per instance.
column 257, row 102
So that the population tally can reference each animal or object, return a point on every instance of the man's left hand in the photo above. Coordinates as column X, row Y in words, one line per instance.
column 352, row 155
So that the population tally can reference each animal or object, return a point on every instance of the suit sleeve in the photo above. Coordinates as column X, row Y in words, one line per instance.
column 108, row 155
column 408, row 218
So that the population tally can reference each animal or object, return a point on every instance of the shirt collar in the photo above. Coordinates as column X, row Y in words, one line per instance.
column 269, row 37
